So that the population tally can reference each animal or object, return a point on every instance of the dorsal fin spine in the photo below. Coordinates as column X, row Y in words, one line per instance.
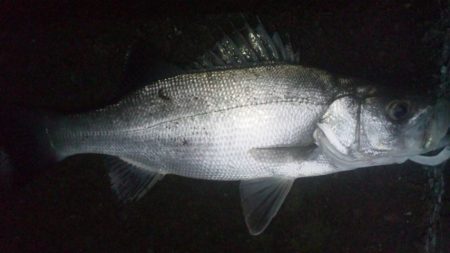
column 248, row 47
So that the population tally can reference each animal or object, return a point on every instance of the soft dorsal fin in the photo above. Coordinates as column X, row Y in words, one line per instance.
column 128, row 181
column 261, row 199
column 248, row 46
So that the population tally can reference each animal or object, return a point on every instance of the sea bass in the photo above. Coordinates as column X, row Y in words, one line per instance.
column 250, row 112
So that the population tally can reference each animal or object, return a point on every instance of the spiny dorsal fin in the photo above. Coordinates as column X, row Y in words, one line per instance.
column 128, row 181
column 248, row 46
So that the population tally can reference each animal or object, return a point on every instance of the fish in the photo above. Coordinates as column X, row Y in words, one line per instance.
column 248, row 111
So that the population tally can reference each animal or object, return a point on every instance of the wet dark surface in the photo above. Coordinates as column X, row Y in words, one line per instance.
column 69, row 57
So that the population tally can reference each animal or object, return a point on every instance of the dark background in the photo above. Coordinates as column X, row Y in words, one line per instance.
column 69, row 56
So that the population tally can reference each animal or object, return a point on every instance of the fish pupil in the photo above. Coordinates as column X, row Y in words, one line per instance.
column 400, row 111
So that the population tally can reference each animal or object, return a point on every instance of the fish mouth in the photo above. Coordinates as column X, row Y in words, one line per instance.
column 438, row 132
column 436, row 156
column 433, row 158
column 446, row 140
column 444, row 143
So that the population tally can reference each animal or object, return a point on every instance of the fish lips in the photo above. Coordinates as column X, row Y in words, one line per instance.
column 439, row 128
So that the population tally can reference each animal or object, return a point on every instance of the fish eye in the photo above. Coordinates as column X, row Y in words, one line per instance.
column 398, row 109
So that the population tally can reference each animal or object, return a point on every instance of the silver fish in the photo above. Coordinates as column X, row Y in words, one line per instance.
column 251, row 113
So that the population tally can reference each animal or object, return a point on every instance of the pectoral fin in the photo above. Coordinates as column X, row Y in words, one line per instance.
column 129, row 181
column 261, row 199
column 281, row 154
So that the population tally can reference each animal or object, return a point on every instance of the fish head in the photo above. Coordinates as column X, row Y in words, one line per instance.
column 367, row 131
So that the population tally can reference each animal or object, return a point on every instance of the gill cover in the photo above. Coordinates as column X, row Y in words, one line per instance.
column 353, row 134
column 338, row 132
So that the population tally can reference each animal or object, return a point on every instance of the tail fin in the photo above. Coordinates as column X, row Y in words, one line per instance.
column 25, row 149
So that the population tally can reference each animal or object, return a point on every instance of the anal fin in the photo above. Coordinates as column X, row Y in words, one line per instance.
column 261, row 199
column 129, row 181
